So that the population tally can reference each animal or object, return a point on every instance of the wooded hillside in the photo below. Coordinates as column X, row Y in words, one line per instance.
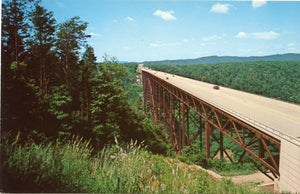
column 224, row 59
column 275, row 79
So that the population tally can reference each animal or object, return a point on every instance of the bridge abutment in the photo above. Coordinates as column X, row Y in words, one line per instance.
column 289, row 167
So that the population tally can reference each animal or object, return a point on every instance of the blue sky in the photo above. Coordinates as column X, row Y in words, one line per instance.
column 143, row 30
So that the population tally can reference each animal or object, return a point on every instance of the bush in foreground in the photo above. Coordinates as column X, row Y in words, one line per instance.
column 71, row 166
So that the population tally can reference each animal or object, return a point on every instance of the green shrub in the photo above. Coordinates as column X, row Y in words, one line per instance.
column 70, row 165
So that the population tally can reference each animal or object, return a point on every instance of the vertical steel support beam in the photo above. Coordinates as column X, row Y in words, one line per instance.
column 207, row 139
column 221, row 146
column 170, row 109
column 201, row 127
column 152, row 100
column 187, row 126
column 183, row 117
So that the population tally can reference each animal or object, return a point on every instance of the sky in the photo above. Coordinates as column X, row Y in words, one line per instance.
column 147, row 30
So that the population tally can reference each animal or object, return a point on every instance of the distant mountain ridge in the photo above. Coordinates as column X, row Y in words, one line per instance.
column 222, row 59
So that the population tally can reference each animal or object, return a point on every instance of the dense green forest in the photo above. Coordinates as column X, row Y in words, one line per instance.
column 49, row 87
column 275, row 79
column 53, row 90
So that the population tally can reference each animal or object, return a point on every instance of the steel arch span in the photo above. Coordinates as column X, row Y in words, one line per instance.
column 178, row 108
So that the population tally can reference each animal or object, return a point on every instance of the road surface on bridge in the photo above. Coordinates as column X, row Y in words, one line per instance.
column 274, row 117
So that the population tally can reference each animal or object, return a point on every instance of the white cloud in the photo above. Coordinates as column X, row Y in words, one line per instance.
column 166, row 15
column 130, row 19
column 258, row 3
column 242, row 35
column 207, row 44
column 171, row 44
column 259, row 35
column 265, row 35
column 95, row 34
column 155, row 44
column 185, row 40
column 60, row 4
column 212, row 38
column 220, row 8
column 291, row 48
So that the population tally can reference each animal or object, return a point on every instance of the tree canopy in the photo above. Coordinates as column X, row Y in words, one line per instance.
column 53, row 86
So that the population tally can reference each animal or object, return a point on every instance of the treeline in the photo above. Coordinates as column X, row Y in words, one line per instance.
column 275, row 79
column 50, row 89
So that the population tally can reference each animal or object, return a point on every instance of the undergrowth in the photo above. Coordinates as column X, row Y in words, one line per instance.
column 192, row 155
column 72, row 166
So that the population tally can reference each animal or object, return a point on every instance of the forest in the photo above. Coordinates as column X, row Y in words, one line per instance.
column 274, row 79
column 49, row 87
column 52, row 91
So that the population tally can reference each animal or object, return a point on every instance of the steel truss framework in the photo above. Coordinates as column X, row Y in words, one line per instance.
column 176, row 109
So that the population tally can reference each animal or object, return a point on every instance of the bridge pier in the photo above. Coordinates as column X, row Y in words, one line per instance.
column 207, row 139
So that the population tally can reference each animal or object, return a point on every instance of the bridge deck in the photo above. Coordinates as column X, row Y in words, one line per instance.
column 276, row 118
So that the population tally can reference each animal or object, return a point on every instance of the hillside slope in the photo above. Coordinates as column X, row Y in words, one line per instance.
column 222, row 59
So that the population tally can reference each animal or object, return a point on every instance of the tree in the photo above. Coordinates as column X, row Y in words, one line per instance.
column 40, row 44
column 87, row 73
column 71, row 37
column 109, row 105
column 16, row 96
column 14, row 30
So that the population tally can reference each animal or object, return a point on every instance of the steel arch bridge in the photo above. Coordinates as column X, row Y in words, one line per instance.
column 180, row 103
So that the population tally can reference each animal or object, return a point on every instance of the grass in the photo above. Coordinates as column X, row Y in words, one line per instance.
column 71, row 166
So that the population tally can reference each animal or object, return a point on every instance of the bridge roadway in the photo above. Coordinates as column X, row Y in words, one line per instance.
column 276, row 118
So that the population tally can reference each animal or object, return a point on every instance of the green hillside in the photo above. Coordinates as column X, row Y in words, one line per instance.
column 275, row 79
column 223, row 59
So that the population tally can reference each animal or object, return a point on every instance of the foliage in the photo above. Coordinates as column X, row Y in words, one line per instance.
column 13, row 71
column 41, row 65
column 133, row 84
column 69, row 166
column 54, row 89
column 71, row 36
column 276, row 79
column 192, row 155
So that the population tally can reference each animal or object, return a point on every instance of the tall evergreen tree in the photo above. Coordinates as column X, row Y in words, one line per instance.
column 15, row 96
column 42, row 65
column 71, row 37
column 14, row 30
column 41, row 41
column 87, row 73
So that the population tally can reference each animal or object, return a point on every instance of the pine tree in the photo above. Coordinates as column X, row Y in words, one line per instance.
column 41, row 41
column 16, row 96
column 71, row 37
column 87, row 73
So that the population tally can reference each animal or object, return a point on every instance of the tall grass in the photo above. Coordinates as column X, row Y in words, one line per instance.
column 72, row 166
